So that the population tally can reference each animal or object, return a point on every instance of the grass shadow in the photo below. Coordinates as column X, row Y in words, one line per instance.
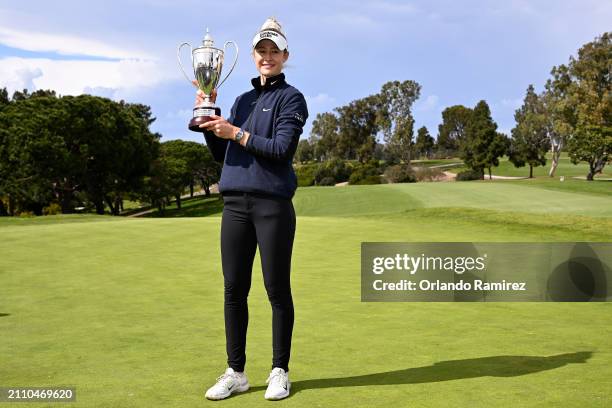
column 497, row 366
column 199, row 206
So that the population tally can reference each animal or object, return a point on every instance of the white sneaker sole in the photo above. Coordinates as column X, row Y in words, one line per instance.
column 280, row 397
column 242, row 388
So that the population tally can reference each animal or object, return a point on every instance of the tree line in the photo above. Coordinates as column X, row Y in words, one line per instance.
column 59, row 154
column 573, row 114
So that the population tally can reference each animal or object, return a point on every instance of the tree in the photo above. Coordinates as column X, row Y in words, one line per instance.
column 116, row 144
column 358, row 126
column 530, row 140
column 4, row 98
column 451, row 132
column 55, row 148
column 304, row 151
column 395, row 115
column 424, row 144
column 558, row 117
column 483, row 145
column 32, row 154
column 584, row 89
column 324, row 136
column 188, row 162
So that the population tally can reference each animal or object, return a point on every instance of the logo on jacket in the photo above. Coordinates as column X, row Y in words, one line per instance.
column 298, row 117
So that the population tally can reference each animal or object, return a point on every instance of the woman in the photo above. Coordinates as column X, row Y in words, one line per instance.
column 256, row 146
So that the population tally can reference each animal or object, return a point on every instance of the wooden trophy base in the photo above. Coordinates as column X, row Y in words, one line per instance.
column 202, row 115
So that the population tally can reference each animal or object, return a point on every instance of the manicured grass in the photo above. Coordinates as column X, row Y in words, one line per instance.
column 572, row 197
column 131, row 311
column 597, row 187
column 566, row 168
column 198, row 206
column 436, row 162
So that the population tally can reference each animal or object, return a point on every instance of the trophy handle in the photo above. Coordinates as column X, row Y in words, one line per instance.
column 234, row 63
column 178, row 55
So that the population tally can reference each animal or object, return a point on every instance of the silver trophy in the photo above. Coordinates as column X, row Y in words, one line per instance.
column 207, row 62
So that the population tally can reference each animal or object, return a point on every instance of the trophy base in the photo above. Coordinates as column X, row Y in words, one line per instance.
column 202, row 115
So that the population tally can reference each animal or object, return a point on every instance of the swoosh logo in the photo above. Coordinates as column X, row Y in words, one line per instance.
column 265, row 110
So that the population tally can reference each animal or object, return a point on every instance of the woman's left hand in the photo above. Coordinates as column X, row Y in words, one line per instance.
column 221, row 127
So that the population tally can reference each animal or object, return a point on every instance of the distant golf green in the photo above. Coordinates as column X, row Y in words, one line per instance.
column 130, row 310
column 565, row 168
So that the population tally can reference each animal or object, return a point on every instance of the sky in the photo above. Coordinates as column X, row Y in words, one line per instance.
column 458, row 51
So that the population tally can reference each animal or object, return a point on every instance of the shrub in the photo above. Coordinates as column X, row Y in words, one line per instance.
column 368, row 180
column 334, row 168
column 469, row 175
column 400, row 173
column 428, row 173
column 365, row 174
column 52, row 209
column 327, row 181
column 305, row 175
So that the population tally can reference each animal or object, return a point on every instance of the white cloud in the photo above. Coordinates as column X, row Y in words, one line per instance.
column 180, row 114
column 346, row 20
column 512, row 103
column 393, row 8
column 64, row 44
column 428, row 104
column 321, row 98
column 20, row 78
column 506, row 131
column 73, row 77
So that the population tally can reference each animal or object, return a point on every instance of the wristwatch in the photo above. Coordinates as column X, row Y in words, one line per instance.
column 239, row 135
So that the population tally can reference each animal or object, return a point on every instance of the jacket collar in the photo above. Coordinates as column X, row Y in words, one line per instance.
column 271, row 82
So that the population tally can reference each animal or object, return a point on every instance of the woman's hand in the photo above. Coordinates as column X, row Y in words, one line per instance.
column 200, row 95
column 221, row 127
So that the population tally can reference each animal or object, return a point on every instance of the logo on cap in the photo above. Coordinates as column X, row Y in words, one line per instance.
column 267, row 34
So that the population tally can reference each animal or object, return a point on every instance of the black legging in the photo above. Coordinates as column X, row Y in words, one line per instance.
column 268, row 221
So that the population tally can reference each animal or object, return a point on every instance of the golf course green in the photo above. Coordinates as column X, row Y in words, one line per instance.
column 130, row 310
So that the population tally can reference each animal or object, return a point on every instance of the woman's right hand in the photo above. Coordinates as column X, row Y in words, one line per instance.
column 200, row 95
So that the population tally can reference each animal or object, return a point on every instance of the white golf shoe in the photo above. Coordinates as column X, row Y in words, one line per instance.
column 228, row 383
column 279, row 385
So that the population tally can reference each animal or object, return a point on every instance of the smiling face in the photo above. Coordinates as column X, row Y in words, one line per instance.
column 269, row 60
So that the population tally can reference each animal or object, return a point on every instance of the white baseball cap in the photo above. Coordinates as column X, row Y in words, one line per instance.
column 271, row 30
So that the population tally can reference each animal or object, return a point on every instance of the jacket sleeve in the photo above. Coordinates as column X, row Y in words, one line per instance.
column 217, row 145
column 289, row 126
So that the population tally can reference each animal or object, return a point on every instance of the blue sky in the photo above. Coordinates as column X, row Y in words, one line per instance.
column 459, row 51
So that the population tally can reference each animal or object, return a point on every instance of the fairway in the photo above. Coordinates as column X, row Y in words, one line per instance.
column 130, row 310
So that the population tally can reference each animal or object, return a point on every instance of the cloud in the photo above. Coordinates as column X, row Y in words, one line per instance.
column 506, row 131
column 65, row 44
column 321, row 98
column 428, row 104
column 393, row 8
column 347, row 20
column 20, row 78
column 512, row 103
column 186, row 114
column 73, row 77
column 320, row 102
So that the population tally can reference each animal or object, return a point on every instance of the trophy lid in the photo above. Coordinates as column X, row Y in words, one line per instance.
column 208, row 40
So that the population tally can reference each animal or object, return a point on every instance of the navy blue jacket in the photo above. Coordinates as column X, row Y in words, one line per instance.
column 274, row 115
